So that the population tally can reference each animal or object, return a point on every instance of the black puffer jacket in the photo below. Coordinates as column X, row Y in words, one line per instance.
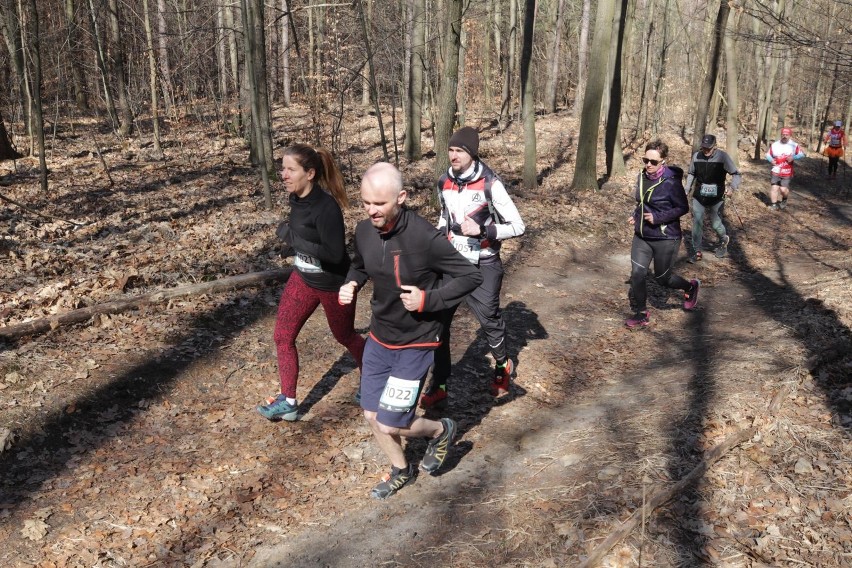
column 665, row 199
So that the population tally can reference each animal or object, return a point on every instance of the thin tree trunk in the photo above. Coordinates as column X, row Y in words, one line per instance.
column 446, row 102
column 661, row 77
column 251, row 25
column 582, row 57
column 373, row 85
column 486, row 56
column 528, row 98
column 509, row 71
column 709, row 84
column 165, row 67
column 555, row 57
column 106, row 79
column 648, row 35
column 731, row 124
column 80, row 96
column 37, row 116
column 152, row 71
column 461, row 94
column 119, row 70
column 413, row 149
column 12, row 35
column 365, row 84
column 285, row 52
column 221, row 55
column 585, row 173
column 612, row 139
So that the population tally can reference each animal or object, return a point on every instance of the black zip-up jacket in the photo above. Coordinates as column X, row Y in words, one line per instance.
column 412, row 253
column 318, row 236
column 711, row 171
column 665, row 198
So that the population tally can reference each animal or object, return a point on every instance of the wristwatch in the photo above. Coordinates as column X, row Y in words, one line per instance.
column 482, row 231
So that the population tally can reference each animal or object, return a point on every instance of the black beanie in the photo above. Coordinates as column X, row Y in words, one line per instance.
column 467, row 139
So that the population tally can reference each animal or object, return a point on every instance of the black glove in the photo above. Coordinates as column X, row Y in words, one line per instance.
column 283, row 233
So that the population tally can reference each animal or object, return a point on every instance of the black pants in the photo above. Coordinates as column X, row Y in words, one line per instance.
column 484, row 301
column 663, row 253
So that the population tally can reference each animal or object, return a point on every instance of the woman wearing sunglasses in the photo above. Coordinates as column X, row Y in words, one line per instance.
column 661, row 202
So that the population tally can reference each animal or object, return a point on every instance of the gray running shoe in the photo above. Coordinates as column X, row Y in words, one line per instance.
column 392, row 482
column 438, row 448
column 722, row 249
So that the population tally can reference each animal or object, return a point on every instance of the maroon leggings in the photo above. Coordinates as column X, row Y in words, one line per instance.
column 298, row 302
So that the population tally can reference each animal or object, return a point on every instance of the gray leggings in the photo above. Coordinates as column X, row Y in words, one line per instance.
column 663, row 253
column 698, row 222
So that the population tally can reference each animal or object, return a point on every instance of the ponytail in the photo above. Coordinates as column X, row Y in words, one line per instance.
column 326, row 172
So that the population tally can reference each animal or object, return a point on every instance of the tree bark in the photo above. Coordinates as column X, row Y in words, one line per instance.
column 165, row 66
column 612, row 138
column 285, row 53
column 12, row 36
column 35, row 89
column 152, row 77
column 81, row 98
column 647, row 35
column 528, row 98
column 582, row 57
column 449, row 86
column 374, row 94
column 119, row 70
column 509, row 70
column 413, row 148
column 555, row 57
column 731, row 120
column 256, row 83
column 709, row 84
column 585, row 174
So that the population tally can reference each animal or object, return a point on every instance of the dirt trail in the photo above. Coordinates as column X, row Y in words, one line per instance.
column 162, row 460
column 603, row 414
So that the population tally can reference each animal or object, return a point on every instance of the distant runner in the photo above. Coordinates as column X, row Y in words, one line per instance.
column 708, row 169
column 835, row 141
column 406, row 258
column 660, row 203
column 781, row 154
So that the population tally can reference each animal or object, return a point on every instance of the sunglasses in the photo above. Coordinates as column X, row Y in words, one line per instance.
column 650, row 161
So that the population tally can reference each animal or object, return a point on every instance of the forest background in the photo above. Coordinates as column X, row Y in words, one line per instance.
column 144, row 137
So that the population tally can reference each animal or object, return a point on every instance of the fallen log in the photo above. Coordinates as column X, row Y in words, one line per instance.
column 84, row 314
column 664, row 496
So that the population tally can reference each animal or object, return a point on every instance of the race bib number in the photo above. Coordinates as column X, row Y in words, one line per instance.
column 307, row 263
column 469, row 247
column 708, row 190
column 776, row 169
column 400, row 395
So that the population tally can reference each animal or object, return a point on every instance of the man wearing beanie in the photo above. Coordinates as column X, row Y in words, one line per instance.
column 781, row 155
column 476, row 215
column 708, row 169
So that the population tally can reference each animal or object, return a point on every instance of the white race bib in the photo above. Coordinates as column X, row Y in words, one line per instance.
column 708, row 190
column 307, row 263
column 468, row 246
column 776, row 169
column 400, row 395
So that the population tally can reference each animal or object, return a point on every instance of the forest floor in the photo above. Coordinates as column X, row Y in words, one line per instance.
column 132, row 440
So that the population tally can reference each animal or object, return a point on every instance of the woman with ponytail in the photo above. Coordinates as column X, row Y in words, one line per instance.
column 318, row 237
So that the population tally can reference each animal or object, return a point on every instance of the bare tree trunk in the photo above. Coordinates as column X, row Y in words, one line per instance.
column 766, row 89
column 731, row 124
column 232, row 47
column 585, row 174
column 106, row 79
column 80, row 96
column 486, row 56
column 251, row 25
column 461, row 94
column 152, row 71
column 221, row 57
column 709, row 84
column 612, row 139
column 528, row 98
column 582, row 57
column 813, row 126
column 449, row 85
column 119, row 70
column 285, row 53
column 413, row 149
column 661, row 76
column 509, row 70
column 165, row 67
column 7, row 151
column 373, row 85
column 38, row 118
column 555, row 56
column 12, row 35
column 648, row 36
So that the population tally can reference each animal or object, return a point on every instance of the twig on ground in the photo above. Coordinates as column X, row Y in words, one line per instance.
column 44, row 215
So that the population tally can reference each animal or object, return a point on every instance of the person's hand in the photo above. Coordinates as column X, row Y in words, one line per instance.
column 411, row 297
column 789, row 159
column 631, row 221
column 649, row 217
column 469, row 227
column 347, row 293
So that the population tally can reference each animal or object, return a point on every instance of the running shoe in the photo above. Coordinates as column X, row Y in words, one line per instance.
column 722, row 249
column 437, row 398
column 775, row 207
column 783, row 204
column 438, row 448
column 502, row 378
column 690, row 299
column 639, row 319
column 277, row 408
column 694, row 257
column 392, row 482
